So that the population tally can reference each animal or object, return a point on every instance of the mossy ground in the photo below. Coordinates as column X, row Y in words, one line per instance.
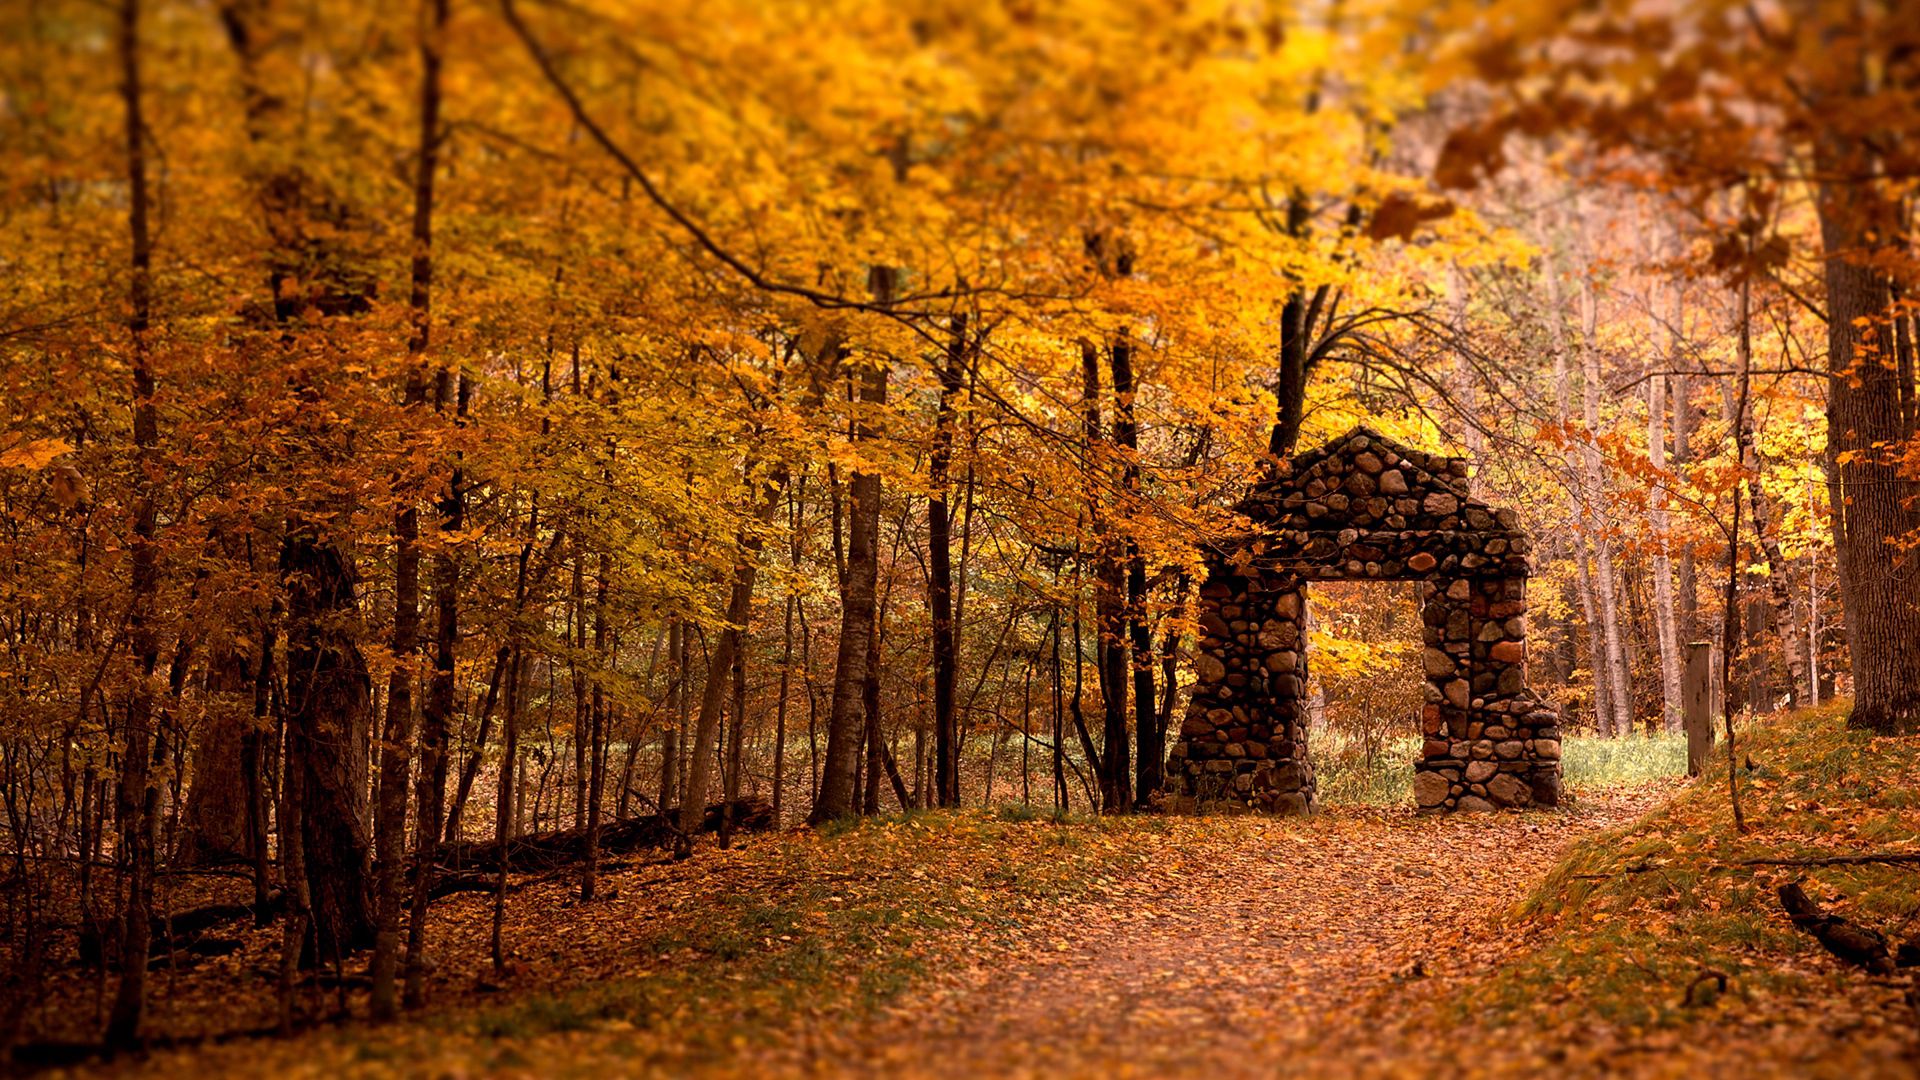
column 1668, row 931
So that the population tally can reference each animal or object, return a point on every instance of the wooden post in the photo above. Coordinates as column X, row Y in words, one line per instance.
column 1696, row 705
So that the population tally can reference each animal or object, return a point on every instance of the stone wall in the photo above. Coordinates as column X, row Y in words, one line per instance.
column 1365, row 508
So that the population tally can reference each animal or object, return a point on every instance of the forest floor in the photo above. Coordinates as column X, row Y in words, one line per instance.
column 1369, row 942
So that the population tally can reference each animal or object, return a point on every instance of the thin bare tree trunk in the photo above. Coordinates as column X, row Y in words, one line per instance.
column 946, row 767
column 138, row 798
column 693, row 802
column 505, row 815
column 436, row 716
column 1603, row 709
column 1109, row 590
column 390, row 822
column 597, row 730
column 735, row 749
column 1665, row 626
column 676, row 712
column 1149, row 739
column 1606, row 582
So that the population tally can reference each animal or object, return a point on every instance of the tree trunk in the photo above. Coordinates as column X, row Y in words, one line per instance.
column 676, row 713
column 214, row 822
column 720, row 668
column 1109, row 590
column 470, row 769
column 293, row 871
column 1687, row 582
column 505, row 813
column 577, row 641
column 313, row 267
column 1606, row 582
column 1291, row 390
column 1597, row 666
column 735, row 756
column 946, row 766
column 1665, row 627
column 1150, row 741
column 390, row 825
column 857, row 600
column 436, row 719
column 138, row 798
column 1873, row 505
column 780, row 707
column 597, row 730
column 870, row 708
column 327, row 715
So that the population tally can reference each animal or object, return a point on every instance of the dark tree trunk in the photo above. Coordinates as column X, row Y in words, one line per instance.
column 735, row 752
column 138, row 798
column 1110, row 623
column 720, row 669
column 870, row 708
column 1873, row 505
column 1687, row 581
column 390, row 823
column 1291, row 389
column 1150, row 741
column 214, row 823
column 676, row 711
column 946, row 764
column 597, row 731
column 436, row 719
column 470, row 769
column 327, row 715
column 314, row 269
column 255, row 750
column 506, row 808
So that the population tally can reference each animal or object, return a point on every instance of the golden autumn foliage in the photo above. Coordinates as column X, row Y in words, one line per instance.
column 438, row 425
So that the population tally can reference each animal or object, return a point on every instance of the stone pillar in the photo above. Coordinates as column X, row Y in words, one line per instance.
column 1490, row 742
column 1243, row 744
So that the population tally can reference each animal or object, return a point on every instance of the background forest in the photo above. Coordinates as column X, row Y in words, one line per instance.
column 433, row 424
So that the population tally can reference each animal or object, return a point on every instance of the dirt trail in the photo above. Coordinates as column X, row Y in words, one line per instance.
column 1242, row 959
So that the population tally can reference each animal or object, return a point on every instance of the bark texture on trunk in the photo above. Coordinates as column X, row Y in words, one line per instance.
column 328, row 706
column 1873, row 506
column 858, row 597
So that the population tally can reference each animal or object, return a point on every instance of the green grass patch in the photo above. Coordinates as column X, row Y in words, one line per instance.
column 1591, row 762
column 1347, row 774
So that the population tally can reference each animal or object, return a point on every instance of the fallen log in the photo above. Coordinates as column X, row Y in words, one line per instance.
column 98, row 939
column 466, row 866
column 1859, row 945
column 545, row 851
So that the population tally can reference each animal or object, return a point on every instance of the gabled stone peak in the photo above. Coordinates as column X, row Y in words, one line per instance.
column 1368, row 482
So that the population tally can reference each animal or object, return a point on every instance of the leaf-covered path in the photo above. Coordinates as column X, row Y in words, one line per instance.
column 1272, row 949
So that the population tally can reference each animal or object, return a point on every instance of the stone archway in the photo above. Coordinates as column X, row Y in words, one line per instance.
column 1365, row 508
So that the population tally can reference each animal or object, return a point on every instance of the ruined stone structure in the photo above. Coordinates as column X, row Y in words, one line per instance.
column 1365, row 508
